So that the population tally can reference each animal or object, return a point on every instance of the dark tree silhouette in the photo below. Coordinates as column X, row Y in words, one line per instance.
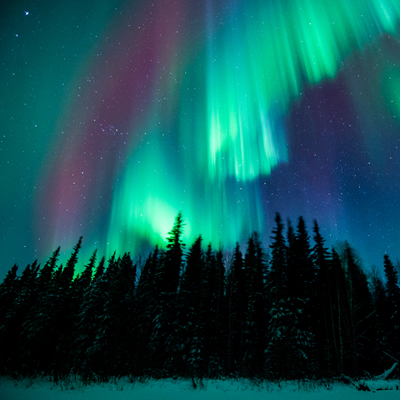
column 392, row 316
column 167, row 276
column 307, row 312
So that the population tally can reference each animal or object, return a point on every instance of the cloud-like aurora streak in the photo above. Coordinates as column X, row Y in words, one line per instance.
column 185, row 110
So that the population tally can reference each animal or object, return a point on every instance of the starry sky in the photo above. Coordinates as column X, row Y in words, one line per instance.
column 116, row 115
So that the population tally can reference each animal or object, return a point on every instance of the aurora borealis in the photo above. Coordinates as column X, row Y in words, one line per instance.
column 118, row 114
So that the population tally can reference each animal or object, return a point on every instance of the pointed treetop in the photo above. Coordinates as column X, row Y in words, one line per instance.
column 176, row 232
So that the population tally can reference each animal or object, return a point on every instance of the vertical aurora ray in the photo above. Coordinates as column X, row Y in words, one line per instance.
column 264, row 55
column 185, row 111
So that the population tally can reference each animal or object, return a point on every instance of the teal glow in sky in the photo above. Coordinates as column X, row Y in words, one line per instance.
column 117, row 115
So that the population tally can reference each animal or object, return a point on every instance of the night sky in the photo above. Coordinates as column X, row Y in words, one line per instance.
column 115, row 115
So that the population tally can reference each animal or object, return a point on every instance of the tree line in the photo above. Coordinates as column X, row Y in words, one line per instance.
column 300, row 312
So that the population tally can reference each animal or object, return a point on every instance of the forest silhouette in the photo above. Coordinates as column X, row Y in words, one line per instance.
column 296, row 311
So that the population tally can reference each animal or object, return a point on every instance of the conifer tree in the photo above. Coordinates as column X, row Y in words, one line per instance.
column 50, row 324
column 380, row 360
column 323, row 332
column 64, row 315
column 217, row 318
column 146, row 301
column 167, row 278
column 277, row 276
column 289, row 337
column 122, row 309
column 32, row 346
column 236, row 299
column 255, row 316
column 103, row 354
column 82, row 281
column 86, row 324
column 278, row 339
column 292, row 270
column 211, row 312
column 306, row 291
column 337, row 310
column 358, row 312
column 80, row 285
column 393, row 308
column 8, row 292
column 190, row 330
column 99, row 270
column 10, row 331
column 46, row 273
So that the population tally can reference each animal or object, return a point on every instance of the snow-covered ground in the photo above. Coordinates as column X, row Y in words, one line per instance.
column 169, row 389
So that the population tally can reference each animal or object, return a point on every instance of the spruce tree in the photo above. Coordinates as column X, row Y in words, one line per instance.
column 276, row 363
column 189, row 332
column 126, row 302
column 8, row 292
column 218, row 330
column 167, row 278
column 80, row 285
column 65, row 315
column 337, row 310
column 32, row 345
column 358, row 313
column 102, row 351
column 289, row 338
column 393, row 308
column 277, row 276
column 146, row 302
column 86, row 324
column 255, row 316
column 236, row 302
column 380, row 360
column 212, row 312
column 323, row 331
column 10, row 331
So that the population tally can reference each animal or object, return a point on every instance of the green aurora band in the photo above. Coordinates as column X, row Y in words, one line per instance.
column 217, row 129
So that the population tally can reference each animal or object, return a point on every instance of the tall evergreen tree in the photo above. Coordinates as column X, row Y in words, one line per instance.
column 337, row 310
column 51, row 322
column 324, row 299
column 64, row 315
column 212, row 312
column 10, row 331
column 217, row 328
column 277, row 277
column 167, row 278
column 306, row 291
column 102, row 352
column 146, row 302
column 126, row 302
column 358, row 313
column 255, row 315
column 380, row 360
column 8, row 292
column 393, row 308
column 276, row 350
column 86, row 324
column 236, row 302
column 292, row 270
column 32, row 345
column 116, row 321
column 289, row 338
column 189, row 330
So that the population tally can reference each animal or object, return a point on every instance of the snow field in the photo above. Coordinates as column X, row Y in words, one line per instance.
column 169, row 389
